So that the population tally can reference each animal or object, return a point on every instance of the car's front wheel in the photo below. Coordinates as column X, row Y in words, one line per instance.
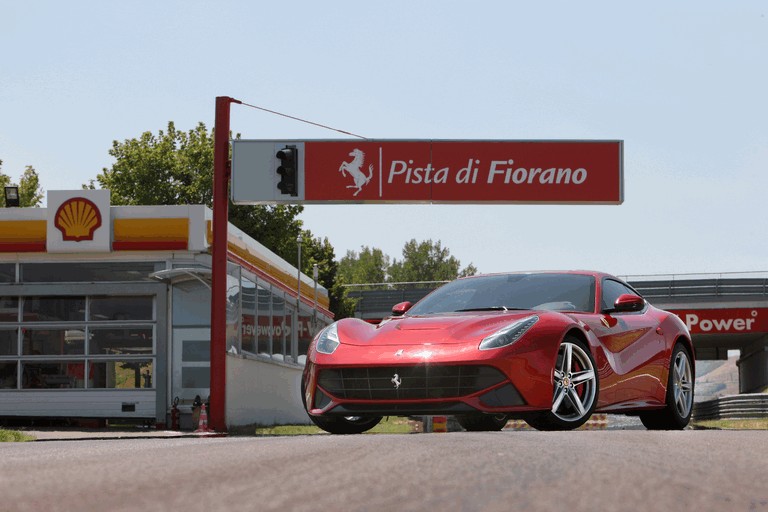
column 481, row 422
column 575, row 390
column 679, row 402
column 346, row 424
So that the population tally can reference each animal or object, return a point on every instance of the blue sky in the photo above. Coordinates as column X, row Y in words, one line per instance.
column 683, row 84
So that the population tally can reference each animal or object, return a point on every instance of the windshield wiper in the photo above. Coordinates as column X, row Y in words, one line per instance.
column 491, row 308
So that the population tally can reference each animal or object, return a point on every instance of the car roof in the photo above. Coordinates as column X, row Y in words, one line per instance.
column 595, row 273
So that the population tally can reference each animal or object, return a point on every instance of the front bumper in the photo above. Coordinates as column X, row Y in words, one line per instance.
column 426, row 380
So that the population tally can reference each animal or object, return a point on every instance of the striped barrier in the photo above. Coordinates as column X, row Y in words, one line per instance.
column 439, row 424
column 596, row 422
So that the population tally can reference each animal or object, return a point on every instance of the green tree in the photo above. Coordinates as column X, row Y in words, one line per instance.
column 30, row 192
column 176, row 167
column 370, row 265
column 427, row 261
column 320, row 251
column 172, row 167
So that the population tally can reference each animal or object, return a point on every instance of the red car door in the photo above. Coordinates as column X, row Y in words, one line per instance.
column 633, row 348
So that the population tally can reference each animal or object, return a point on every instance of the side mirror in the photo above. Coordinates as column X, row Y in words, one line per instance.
column 400, row 309
column 629, row 303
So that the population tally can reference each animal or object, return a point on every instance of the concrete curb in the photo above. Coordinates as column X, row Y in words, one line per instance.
column 79, row 435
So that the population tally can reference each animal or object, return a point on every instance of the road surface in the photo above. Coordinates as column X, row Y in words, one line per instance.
column 520, row 471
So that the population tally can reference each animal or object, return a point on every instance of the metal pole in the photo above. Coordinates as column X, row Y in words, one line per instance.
column 299, row 239
column 314, row 305
column 296, row 326
column 221, row 173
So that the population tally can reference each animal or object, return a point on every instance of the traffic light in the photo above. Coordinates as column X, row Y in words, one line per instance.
column 288, row 170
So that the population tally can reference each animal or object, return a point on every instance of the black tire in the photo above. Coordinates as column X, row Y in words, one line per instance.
column 482, row 422
column 574, row 397
column 346, row 424
column 679, row 400
column 341, row 424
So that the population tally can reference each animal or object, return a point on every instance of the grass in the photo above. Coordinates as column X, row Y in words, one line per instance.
column 390, row 425
column 12, row 436
column 751, row 424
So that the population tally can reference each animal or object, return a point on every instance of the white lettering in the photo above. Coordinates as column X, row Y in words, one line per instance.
column 532, row 174
column 579, row 175
column 394, row 171
column 520, row 175
column 564, row 173
column 494, row 171
column 718, row 324
column 691, row 320
column 722, row 325
column 463, row 176
column 548, row 176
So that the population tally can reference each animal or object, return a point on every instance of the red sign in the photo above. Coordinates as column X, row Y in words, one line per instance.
column 724, row 321
column 463, row 171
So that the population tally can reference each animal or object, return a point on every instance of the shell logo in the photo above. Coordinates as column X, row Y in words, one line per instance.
column 77, row 219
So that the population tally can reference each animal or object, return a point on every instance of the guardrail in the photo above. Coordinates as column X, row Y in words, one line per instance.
column 744, row 406
column 702, row 288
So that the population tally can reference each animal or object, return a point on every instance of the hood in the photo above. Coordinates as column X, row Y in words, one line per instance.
column 450, row 328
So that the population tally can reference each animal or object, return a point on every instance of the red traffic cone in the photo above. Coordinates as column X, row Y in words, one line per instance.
column 202, row 425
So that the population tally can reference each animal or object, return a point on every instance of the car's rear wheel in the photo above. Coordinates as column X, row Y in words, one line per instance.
column 679, row 402
column 346, row 424
column 482, row 422
column 575, row 391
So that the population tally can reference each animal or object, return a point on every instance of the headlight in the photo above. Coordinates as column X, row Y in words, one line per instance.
column 328, row 340
column 508, row 334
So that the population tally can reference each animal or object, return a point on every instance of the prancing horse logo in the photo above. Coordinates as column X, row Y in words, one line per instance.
column 396, row 381
column 355, row 169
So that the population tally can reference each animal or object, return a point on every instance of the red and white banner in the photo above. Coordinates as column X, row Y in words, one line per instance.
column 463, row 172
column 724, row 321
column 413, row 171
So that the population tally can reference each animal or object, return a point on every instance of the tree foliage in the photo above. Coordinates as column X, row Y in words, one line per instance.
column 422, row 261
column 370, row 265
column 30, row 192
column 176, row 167
column 320, row 252
column 427, row 261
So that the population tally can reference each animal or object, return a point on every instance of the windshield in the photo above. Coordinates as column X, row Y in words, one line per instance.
column 556, row 292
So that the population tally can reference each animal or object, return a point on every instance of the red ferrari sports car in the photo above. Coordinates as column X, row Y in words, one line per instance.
column 548, row 347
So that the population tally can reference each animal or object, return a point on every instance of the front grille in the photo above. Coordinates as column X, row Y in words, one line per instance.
column 401, row 409
column 415, row 382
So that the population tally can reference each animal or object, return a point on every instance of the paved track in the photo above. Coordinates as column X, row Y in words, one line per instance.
column 520, row 471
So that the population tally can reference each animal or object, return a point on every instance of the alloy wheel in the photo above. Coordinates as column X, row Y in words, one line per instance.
column 575, row 383
column 682, row 384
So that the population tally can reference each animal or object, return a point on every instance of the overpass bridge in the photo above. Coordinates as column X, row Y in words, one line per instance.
column 723, row 312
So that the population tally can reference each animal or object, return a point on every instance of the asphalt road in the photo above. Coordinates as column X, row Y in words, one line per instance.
column 520, row 471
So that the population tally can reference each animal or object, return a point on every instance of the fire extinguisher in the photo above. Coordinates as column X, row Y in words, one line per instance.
column 175, row 414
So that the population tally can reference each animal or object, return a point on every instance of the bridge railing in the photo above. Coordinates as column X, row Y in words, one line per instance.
column 743, row 284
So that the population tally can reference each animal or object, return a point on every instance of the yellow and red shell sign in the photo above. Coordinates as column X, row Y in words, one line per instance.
column 77, row 219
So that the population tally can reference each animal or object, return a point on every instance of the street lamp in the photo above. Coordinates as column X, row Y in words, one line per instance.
column 12, row 196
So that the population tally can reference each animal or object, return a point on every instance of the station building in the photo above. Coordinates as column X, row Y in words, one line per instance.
column 105, row 313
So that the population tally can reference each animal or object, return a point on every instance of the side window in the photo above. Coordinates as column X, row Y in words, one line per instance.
column 612, row 290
